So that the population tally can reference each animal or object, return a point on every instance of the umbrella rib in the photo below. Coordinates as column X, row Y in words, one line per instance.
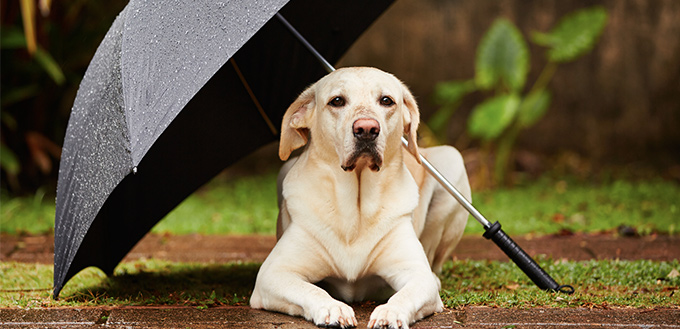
column 253, row 98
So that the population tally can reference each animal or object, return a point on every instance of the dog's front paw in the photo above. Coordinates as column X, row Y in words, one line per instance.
column 386, row 316
column 335, row 315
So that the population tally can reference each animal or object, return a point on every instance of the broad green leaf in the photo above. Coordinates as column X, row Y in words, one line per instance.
column 574, row 35
column 502, row 57
column 533, row 108
column 450, row 92
column 490, row 118
column 448, row 95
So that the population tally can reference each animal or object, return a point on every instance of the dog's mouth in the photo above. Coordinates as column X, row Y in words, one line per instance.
column 365, row 154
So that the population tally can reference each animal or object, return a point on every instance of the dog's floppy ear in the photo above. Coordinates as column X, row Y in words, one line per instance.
column 295, row 125
column 411, row 121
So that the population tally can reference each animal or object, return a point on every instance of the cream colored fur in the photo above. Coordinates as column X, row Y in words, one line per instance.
column 380, row 229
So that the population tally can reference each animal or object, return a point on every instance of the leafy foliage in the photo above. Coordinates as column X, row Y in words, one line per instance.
column 449, row 95
column 575, row 35
column 490, row 118
column 502, row 58
column 45, row 51
column 533, row 108
column 501, row 66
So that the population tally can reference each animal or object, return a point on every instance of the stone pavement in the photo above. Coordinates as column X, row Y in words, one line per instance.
column 244, row 317
column 226, row 248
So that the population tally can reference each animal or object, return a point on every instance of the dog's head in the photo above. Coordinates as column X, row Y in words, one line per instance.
column 360, row 114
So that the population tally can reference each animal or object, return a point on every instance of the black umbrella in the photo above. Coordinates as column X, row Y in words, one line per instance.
column 160, row 111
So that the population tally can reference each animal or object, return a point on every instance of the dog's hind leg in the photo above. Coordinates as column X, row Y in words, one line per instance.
column 446, row 218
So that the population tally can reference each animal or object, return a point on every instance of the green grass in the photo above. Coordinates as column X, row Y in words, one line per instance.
column 553, row 205
column 245, row 205
column 34, row 215
column 603, row 283
column 149, row 282
column 248, row 205
column 238, row 206
column 598, row 283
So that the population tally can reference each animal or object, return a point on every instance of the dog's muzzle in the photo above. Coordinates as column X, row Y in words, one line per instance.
column 365, row 132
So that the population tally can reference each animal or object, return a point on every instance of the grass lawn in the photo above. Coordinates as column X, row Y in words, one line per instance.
column 501, row 284
column 248, row 205
column 552, row 205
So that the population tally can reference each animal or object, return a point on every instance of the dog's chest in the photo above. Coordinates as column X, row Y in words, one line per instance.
column 350, row 217
column 351, row 262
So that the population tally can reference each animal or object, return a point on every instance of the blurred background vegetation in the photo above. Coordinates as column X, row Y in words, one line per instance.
column 45, row 49
column 617, row 104
column 501, row 68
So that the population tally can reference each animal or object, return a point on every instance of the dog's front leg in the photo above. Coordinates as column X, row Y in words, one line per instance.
column 290, row 294
column 285, row 284
column 405, row 268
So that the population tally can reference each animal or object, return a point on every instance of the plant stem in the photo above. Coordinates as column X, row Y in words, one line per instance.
column 544, row 78
column 483, row 175
column 504, row 152
column 507, row 140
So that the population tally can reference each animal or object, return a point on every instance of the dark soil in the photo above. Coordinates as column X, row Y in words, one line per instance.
column 219, row 248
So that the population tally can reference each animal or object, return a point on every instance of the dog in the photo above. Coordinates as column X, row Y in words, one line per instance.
column 359, row 218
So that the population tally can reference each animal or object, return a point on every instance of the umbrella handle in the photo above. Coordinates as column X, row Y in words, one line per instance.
column 540, row 277
column 494, row 233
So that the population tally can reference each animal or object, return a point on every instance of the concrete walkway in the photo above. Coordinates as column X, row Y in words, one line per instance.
column 244, row 317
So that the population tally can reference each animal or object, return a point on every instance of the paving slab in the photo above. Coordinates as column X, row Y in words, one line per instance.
column 51, row 318
column 485, row 317
column 245, row 317
column 226, row 248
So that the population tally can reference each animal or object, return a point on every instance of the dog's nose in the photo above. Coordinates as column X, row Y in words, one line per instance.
column 366, row 129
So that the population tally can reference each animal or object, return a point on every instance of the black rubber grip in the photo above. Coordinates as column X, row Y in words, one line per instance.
column 524, row 261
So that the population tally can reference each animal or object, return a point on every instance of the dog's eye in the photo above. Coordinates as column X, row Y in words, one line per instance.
column 337, row 102
column 386, row 101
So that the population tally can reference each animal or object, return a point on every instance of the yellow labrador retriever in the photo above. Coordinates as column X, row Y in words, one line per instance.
column 358, row 217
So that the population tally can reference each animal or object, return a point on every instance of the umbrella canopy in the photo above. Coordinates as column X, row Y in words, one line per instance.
column 160, row 111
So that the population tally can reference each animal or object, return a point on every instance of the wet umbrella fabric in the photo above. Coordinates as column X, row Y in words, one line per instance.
column 160, row 111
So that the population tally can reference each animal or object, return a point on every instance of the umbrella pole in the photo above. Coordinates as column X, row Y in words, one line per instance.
column 492, row 231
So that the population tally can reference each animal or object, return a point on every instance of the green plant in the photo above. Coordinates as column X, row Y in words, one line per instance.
column 501, row 67
column 13, row 38
column 43, row 60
